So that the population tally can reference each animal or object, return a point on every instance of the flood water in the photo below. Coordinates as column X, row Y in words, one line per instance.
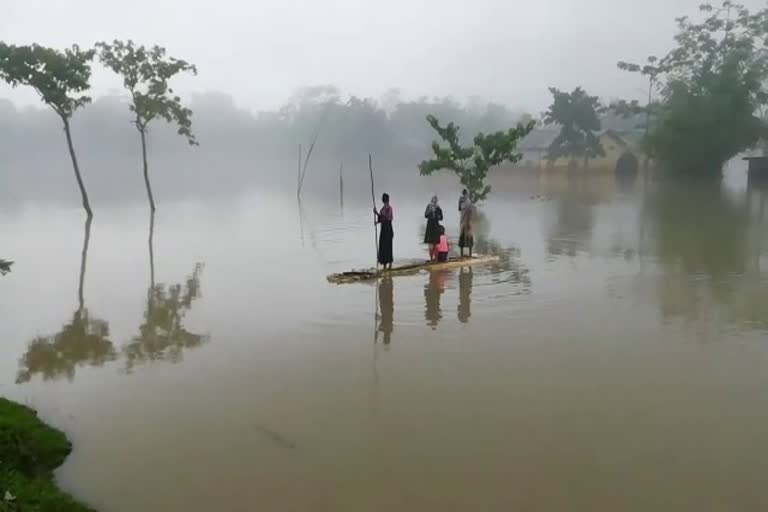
column 616, row 358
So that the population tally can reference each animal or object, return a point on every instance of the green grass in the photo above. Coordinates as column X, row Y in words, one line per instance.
column 29, row 452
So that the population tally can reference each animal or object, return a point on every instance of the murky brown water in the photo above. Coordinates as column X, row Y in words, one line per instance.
column 617, row 358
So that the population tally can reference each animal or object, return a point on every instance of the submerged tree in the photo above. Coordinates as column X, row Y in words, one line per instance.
column 60, row 78
column 146, row 73
column 472, row 163
column 577, row 115
column 712, row 84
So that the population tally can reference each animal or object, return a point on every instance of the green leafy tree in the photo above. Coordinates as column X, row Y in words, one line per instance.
column 712, row 84
column 146, row 73
column 60, row 78
column 651, row 70
column 577, row 115
column 472, row 163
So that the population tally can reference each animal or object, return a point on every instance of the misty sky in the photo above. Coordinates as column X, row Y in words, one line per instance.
column 262, row 50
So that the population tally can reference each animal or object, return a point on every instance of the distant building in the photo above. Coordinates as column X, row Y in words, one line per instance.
column 536, row 146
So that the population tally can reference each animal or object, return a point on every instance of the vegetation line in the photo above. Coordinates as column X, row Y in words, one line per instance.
column 29, row 452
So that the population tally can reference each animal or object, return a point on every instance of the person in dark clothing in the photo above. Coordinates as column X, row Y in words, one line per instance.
column 463, row 199
column 386, row 234
column 466, row 235
column 434, row 215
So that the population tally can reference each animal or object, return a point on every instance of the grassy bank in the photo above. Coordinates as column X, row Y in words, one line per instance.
column 29, row 452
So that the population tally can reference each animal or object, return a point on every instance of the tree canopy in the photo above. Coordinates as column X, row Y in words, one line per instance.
column 61, row 78
column 712, row 86
column 472, row 163
column 145, row 73
column 577, row 115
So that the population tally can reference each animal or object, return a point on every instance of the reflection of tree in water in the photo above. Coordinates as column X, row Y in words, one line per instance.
column 82, row 341
column 699, row 231
column 573, row 229
column 162, row 336
column 704, row 242
column 464, row 309
column 508, row 269
column 387, row 307
column 432, row 293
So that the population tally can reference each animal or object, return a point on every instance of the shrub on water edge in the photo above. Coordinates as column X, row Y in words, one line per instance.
column 29, row 452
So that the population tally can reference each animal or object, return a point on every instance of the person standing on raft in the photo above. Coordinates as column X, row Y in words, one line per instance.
column 386, row 234
column 441, row 249
column 463, row 199
column 433, row 214
column 466, row 237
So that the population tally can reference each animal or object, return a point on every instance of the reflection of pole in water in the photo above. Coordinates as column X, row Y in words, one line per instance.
column 83, row 261
column 464, row 309
column 301, row 223
column 341, row 185
column 312, row 238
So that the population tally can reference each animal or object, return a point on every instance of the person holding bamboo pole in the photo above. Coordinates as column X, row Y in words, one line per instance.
column 466, row 235
column 386, row 234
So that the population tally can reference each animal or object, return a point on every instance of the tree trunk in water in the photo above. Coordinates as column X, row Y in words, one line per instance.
column 84, row 263
column 151, row 291
column 83, row 193
column 146, row 169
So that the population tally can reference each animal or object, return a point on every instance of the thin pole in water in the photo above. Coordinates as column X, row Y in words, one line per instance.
column 298, row 177
column 373, row 200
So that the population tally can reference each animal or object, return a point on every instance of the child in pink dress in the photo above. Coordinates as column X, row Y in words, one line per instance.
column 442, row 247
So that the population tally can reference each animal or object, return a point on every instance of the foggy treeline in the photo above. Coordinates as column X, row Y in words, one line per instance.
column 237, row 146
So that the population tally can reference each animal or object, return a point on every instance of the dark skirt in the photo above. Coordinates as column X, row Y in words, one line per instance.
column 466, row 238
column 386, row 235
column 432, row 234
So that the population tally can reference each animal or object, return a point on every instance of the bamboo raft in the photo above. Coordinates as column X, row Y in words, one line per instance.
column 355, row 276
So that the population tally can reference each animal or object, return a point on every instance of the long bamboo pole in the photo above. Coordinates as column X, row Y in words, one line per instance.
column 373, row 200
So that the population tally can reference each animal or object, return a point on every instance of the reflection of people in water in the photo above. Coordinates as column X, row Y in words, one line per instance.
column 432, row 293
column 464, row 309
column 387, row 307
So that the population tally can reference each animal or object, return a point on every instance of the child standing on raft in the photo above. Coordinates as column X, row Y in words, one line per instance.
column 441, row 249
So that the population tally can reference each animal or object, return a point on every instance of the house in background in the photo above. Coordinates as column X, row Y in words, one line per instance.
column 615, row 144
